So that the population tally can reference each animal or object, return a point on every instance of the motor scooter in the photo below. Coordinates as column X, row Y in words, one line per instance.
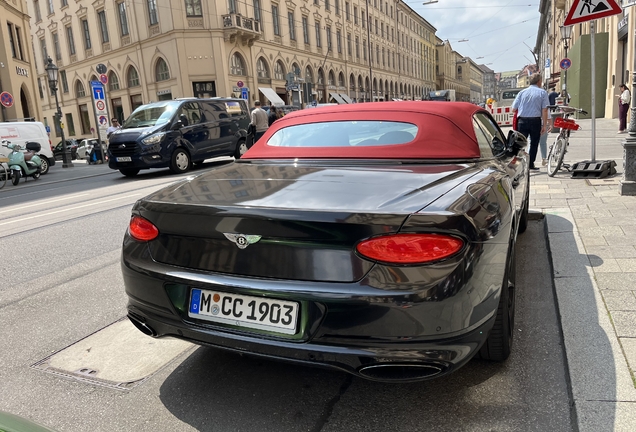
column 23, row 164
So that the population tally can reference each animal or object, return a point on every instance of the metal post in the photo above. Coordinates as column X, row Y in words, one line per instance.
column 593, row 74
column 369, row 50
column 628, row 180
column 66, row 155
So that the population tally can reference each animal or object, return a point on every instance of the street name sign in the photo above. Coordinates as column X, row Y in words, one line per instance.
column 586, row 10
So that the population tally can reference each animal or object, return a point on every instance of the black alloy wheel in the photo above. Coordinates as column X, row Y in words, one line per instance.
column 15, row 177
column 498, row 346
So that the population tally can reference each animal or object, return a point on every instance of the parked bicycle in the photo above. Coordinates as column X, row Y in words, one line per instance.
column 560, row 146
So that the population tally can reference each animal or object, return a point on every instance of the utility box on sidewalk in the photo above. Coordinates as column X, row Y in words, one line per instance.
column 596, row 169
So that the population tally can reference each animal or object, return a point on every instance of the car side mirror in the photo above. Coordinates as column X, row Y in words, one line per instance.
column 177, row 125
column 516, row 142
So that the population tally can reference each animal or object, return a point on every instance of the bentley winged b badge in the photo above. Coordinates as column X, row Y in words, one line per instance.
column 242, row 240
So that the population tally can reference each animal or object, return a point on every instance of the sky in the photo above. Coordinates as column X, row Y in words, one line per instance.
column 503, row 32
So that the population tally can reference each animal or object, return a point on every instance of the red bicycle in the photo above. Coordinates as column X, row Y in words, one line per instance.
column 560, row 145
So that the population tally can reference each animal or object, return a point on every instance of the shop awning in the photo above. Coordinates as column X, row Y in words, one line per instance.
column 346, row 98
column 271, row 95
column 337, row 97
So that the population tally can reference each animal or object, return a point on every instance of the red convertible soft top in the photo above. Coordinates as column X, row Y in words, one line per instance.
column 444, row 131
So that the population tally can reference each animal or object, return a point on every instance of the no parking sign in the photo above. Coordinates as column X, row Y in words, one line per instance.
column 6, row 99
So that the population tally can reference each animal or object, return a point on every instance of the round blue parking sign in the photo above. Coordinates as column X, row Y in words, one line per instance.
column 565, row 63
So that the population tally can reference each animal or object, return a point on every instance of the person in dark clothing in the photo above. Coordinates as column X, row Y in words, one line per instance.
column 553, row 96
column 272, row 117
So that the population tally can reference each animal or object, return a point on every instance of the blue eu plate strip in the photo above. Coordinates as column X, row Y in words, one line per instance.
column 195, row 301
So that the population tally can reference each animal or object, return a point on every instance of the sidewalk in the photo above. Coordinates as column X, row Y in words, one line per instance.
column 591, row 231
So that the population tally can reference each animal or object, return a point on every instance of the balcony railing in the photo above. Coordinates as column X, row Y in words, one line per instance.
column 247, row 30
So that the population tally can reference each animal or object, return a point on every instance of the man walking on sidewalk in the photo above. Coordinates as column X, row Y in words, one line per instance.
column 531, row 106
column 259, row 121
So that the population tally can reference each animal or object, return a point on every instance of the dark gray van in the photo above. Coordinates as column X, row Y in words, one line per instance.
column 177, row 133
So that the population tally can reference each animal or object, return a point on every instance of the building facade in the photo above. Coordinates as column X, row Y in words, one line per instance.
column 488, row 82
column 259, row 49
column 449, row 69
column 476, row 79
column 17, row 71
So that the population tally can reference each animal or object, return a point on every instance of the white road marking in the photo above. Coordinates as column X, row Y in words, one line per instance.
column 66, row 209
column 42, row 202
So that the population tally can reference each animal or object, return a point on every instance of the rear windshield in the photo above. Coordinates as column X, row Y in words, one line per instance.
column 151, row 115
column 344, row 134
column 510, row 94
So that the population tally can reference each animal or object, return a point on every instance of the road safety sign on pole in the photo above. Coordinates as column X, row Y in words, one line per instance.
column 588, row 10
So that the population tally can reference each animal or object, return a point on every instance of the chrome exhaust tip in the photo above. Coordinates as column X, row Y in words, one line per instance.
column 401, row 372
column 141, row 325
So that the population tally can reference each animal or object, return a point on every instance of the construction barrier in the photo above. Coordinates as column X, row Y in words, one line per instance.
column 503, row 115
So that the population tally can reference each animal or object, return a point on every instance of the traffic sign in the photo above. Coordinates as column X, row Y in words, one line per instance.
column 48, row 129
column 101, row 68
column 244, row 93
column 103, row 78
column 240, row 84
column 565, row 63
column 547, row 63
column 100, row 105
column 586, row 10
column 6, row 99
column 103, row 120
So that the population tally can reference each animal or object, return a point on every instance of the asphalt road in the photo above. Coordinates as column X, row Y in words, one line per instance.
column 60, row 244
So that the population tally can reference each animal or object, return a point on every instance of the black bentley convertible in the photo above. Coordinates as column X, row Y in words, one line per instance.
column 375, row 238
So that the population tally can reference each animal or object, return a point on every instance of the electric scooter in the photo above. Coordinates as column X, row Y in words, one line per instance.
column 23, row 164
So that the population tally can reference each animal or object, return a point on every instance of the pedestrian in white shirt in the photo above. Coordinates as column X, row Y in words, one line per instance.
column 259, row 121
column 623, row 107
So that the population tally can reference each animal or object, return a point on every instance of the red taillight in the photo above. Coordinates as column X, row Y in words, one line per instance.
column 142, row 229
column 410, row 248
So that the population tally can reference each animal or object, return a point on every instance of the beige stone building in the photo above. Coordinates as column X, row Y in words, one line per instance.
column 160, row 49
column 17, row 70
column 475, row 82
column 449, row 68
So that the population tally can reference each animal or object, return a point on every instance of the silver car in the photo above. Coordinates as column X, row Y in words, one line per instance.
column 85, row 147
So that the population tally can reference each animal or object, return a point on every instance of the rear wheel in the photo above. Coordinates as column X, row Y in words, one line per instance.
column 44, row 168
column 181, row 162
column 129, row 172
column 36, row 175
column 499, row 343
column 15, row 177
column 555, row 157
column 241, row 148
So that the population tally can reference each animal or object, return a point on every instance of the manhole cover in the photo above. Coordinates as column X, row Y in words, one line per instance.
column 118, row 356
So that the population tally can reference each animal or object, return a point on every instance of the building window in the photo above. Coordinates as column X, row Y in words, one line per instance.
column 87, row 34
column 136, row 102
column 279, row 71
column 11, row 40
column 56, row 47
column 337, row 6
column 318, row 40
column 362, row 18
column 355, row 15
column 292, row 26
column 162, row 73
column 152, row 12
column 193, row 8
column 44, row 51
column 79, row 89
column 347, row 11
column 18, row 39
column 70, row 125
column 64, row 3
column 103, row 26
column 132, row 77
column 237, row 66
column 38, row 14
column 275, row 20
column 64, row 81
column 85, row 119
column 261, row 68
column 257, row 10
column 349, row 44
column 51, row 8
column 113, row 81
column 339, row 41
column 376, row 26
column 123, row 20
column 305, row 30
column 357, row 48
column 40, row 88
column 327, row 5
column 328, row 30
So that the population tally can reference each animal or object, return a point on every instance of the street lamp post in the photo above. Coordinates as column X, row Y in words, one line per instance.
column 628, row 181
column 566, row 34
column 52, row 71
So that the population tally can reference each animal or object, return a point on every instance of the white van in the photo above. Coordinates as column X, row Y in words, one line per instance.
column 21, row 132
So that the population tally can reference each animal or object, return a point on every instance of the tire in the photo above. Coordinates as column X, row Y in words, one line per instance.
column 241, row 148
column 499, row 343
column 181, row 161
column 44, row 168
column 523, row 220
column 15, row 177
column 36, row 175
column 555, row 157
column 129, row 172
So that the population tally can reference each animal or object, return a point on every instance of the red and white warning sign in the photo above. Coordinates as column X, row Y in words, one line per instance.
column 503, row 116
column 588, row 10
column 100, row 105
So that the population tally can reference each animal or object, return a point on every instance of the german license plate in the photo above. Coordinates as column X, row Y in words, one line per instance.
column 273, row 315
column 124, row 159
